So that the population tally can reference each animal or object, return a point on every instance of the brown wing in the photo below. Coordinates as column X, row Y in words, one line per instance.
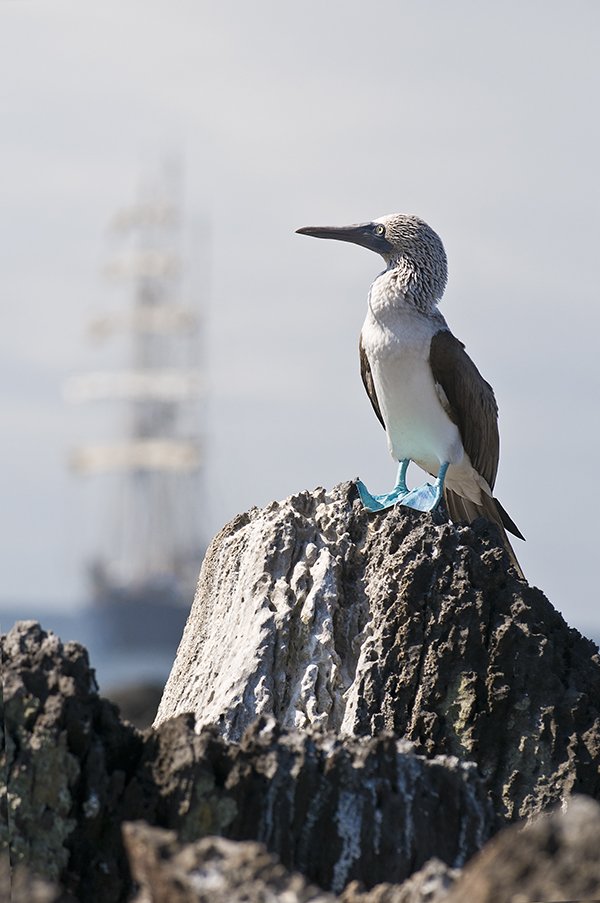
column 472, row 403
column 367, row 378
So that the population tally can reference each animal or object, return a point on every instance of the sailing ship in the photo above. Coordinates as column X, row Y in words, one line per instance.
column 142, row 575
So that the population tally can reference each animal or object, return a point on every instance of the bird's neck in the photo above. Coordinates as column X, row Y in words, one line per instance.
column 403, row 285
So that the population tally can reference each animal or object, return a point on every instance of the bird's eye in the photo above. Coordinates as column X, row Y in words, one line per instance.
column 379, row 230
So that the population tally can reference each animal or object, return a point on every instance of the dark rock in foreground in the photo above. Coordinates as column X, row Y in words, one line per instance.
column 213, row 869
column 337, row 809
column 362, row 695
column 68, row 759
column 557, row 857
column 20, row 885
column 553, row 858
column 319, row 613
column 429, row 885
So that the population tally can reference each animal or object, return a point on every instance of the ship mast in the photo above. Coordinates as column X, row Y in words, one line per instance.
column 158, row 460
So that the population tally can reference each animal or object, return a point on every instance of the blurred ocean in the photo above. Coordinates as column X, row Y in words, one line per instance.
column 115, row 667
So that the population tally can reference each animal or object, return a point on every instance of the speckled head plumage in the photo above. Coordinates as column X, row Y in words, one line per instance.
column 413, row 252
column 417, row 253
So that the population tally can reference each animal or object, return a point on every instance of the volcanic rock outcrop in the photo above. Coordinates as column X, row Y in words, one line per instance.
column 367, row 698
column 336, row 809
column 319, row 613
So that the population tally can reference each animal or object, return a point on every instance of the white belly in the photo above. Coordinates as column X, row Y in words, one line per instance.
column 417, row 425
column 396, row 339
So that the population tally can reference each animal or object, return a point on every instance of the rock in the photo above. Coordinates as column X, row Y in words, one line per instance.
column 212, row 870
column 19, row 885
column 364, row 694
column 429, row 885
column 556, row 857
column 215, row 870
column 318, row 613
column 334, row 809
column 337, row 809
column 67, row 759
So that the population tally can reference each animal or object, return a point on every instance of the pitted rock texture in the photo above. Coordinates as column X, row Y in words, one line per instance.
column 19, row 885
column 277, row 625
column 369, row 809
column 215, row 870
column 212, row 870
column 555, row 857
column 67, row 759
column 319, row 613
column 430, row 884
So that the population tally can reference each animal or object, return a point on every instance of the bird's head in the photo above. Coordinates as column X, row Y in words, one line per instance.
column 407, row 244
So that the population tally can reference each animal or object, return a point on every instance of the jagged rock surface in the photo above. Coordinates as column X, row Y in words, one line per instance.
column 353, row 631
column 367, row 809
column 19, row 885
column 556, row 857
column 338, row 809
column 318, row 613
column 212, row 870
column 215, row 870
column 67, row 760
column 553, row 858
column 430, row 884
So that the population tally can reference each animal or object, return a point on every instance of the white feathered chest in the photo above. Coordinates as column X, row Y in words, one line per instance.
column 396, row 338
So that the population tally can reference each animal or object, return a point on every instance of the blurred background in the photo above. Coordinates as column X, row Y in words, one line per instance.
column 157, row 158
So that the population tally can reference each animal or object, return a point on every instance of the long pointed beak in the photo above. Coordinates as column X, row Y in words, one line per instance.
column 364, row 234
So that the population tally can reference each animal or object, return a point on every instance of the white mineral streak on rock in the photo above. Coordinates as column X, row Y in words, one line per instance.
column 349, row 822
column 271, row 630
column 366, row 655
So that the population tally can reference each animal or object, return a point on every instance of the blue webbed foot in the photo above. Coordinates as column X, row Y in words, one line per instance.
column 380, row 502
column 426, row 497
column 376, row 502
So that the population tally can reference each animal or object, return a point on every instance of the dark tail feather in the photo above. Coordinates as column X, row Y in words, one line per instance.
column 508, row 522
column 463, row 511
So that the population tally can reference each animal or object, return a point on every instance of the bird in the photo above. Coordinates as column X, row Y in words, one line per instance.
column 434, row 405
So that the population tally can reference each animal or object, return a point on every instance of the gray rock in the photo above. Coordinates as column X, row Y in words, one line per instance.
column 212, row 870
column 556, row 857
column 430, row 884
column 215, row 870
column 19, row 885
column 334, row 809
column 67, row 759
column 341, row 633
column 369, row 809
column 320, row 614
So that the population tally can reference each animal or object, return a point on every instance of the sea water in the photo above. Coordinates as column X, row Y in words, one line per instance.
column 115, row 666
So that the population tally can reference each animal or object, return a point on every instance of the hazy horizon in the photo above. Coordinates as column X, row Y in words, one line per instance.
column 480, row 119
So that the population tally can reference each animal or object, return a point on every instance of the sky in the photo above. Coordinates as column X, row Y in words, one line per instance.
column 480, row 118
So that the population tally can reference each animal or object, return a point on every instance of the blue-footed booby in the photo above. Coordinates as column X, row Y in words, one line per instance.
column 436, row 408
